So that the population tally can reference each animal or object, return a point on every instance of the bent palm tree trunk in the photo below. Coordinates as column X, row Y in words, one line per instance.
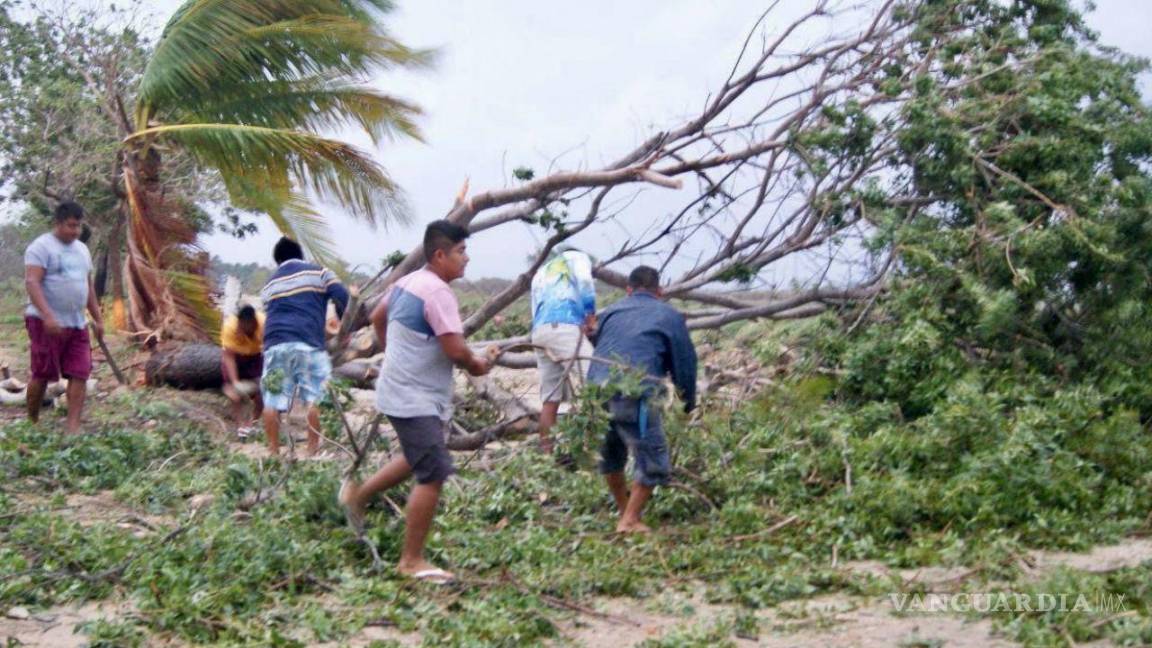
column 167, row 289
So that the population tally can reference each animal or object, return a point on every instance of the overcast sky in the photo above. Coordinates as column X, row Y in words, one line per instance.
column 521, row 82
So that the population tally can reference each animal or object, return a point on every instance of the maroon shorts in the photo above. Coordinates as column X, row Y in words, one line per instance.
column 249, row 367
column 67, row 355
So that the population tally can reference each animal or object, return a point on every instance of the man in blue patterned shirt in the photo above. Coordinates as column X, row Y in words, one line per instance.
column 563, row 313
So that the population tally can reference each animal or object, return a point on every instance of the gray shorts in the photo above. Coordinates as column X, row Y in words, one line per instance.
column 558, row 360
column 640, row 434
column 423, row 444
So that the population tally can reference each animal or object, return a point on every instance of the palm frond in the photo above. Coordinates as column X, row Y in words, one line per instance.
column 312, row 104
column 292, row 214
column 212, row 45
column 330, row 168
column 194, row 300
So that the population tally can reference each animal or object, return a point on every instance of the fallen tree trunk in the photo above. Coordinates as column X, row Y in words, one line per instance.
column 360, row 344
column 517, row 417
column 53, row 391
column 361, row 372
column 463, row 441
column 189, row 366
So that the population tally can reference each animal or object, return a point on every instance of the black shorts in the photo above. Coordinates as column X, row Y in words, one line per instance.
column 425, row 449
column 249, row 367
column 642, row 435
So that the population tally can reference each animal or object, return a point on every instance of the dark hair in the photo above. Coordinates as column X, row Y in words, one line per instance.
column 68, row 210
column 644, row 278
column 442, row 235
column 85, row 233
column 287, row 249
column 246, row 313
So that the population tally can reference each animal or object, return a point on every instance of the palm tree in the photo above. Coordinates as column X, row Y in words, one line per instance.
column 246, row 87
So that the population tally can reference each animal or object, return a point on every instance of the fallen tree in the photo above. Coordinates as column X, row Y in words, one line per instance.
column 188, row 366
column 792, row 167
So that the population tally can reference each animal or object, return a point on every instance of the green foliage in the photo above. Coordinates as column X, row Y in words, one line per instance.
column 45, row 558
column 59, row 137
column 113, row 634
column 1034, row 245
column 1102, row 620
column 54, row 135
column 739, row 273
column 581, row 432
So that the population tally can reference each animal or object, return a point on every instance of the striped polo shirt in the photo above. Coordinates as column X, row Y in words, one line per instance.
column 296, row 303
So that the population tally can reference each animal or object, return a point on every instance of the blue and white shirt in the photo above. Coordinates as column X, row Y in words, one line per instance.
column 563, row 291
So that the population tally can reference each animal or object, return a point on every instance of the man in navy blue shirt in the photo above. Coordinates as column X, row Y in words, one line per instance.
column 643, row 334
column 296, row 306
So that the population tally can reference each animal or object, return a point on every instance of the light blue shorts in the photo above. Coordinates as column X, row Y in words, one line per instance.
column 290, row 367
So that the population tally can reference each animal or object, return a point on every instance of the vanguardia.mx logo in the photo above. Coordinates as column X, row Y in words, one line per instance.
column 1008, row 602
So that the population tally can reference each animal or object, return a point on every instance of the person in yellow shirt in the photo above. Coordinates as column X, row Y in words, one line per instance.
column 242, row 342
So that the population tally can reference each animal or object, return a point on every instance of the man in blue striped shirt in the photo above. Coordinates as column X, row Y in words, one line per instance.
column 295, row 362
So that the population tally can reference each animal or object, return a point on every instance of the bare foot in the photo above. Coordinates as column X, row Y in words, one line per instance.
column 425, row 571
column 632, row 527
column 312, row 450
column 353, row 508
column 547, row 446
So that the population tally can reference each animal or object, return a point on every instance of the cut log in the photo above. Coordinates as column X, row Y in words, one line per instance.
column 9, row 383
column 190, row 366
column 52, row 393
column 361, row 372
column 12, row 398
column 362, row 344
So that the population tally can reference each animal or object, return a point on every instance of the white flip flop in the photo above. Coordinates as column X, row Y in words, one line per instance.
column 435, row 576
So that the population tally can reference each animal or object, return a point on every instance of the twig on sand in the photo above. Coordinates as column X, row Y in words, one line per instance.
column 506, row 577
column 788, row 521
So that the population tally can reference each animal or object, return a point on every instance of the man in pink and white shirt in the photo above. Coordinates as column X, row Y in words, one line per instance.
column 418, row 324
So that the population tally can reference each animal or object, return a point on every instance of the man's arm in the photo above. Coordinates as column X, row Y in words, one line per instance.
column 94, row 309
column 231, row 373
column 34, row 283
column 336, row 292
column 379, row 319
column 458, row 352
column 585, row 286
column 593, row 333
column 683, row 362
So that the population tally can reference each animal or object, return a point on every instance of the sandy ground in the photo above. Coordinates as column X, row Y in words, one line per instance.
column 59, row 627
column 837, row 620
